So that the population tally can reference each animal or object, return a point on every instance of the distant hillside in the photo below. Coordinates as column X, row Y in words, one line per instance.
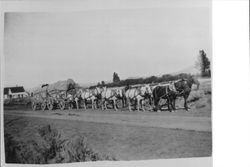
column 189, row 70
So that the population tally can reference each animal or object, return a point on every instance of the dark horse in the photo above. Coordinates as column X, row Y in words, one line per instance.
column 164, row 92
column 183, row 88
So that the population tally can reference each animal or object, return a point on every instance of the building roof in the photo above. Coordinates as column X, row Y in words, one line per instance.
column 16, row 89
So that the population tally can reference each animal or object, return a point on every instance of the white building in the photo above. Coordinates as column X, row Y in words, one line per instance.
column 14, row 92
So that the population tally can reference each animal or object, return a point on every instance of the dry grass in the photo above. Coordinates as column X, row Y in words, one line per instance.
column 204, row 89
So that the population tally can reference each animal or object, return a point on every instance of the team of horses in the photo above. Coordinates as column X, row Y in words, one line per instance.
column 137, row 96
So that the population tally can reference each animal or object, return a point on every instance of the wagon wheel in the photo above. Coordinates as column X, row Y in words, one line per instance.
column 81, row 103
column 50, row 105
column 98, row 103
column 43, row 106
column 61, row 105
column 147, row 105
column 162, row 103
column 33, row 106
column 119, row 104
column 70, row 106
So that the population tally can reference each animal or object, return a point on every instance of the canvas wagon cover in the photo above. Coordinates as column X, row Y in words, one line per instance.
column 59, row 85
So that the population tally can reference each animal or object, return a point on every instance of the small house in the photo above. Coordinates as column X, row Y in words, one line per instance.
column 14, row 92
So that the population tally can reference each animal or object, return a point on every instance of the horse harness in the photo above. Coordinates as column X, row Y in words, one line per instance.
column 168, row 90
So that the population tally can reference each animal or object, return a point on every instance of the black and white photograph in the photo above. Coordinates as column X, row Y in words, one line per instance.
column 125, row 81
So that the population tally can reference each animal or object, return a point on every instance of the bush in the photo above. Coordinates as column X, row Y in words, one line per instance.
column 195, row 95
column 11, row 147
column 76, row 150
column 50, row 147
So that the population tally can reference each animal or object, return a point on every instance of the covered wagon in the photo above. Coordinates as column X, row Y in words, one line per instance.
column 57, row 95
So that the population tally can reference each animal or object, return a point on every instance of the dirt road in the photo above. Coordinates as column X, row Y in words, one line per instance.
column 143, row 119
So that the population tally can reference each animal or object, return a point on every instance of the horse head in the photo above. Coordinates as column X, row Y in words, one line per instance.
column 172, row 87
column 179, row 84
column 97, row 92
column 79, row 93
column 146, row 90
column 118, row 92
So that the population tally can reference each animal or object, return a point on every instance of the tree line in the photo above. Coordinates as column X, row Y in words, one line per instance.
column 202, row 64
column 147, row 80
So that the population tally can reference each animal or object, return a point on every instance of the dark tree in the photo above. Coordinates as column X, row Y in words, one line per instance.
column 102, row 83
column 116, row 77
column 203, row 64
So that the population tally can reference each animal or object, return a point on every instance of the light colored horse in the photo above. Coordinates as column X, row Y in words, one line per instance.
column 89, row 95
column 77, row 97
column 109, row 95
column 138, row 94
column 120, row 91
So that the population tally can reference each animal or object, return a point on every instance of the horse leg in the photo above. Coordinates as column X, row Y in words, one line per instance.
column 84, row 103
column 169, row 105
column 152, row 103
column 185, row 104
column 93, row 104
column 102, row 104
column 105, row 102
column 173, row 105
column 77, row 104
column 156, row 101
column 129, row 104
column 114, row 103
column 138, row 104
column 142, row 105
column 124, row 102
column 172, row 102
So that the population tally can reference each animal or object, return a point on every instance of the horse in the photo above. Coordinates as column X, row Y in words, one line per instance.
column 139, row 95
column 72, row 97
column 120, row 94
column 97, row 94
column 78, row 97
column 89, row 95
column 164, row 92
column 184, row 87
column 107, row 95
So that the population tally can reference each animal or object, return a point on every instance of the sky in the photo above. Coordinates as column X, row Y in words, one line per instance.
column 89, row 45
